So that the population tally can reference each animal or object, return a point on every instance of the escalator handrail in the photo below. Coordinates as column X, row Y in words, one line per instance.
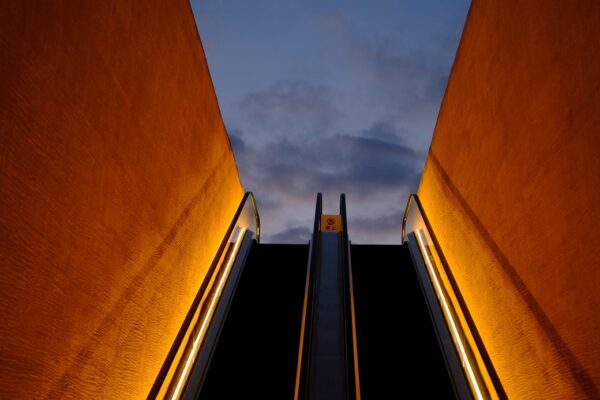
column 305, row 329
column 414, row 201
column 351, row 345
column 178, row 341
column 255, row 211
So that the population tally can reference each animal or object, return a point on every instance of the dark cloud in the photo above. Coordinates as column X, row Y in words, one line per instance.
column 390, row 65
column 384, row 130
column 375, row 169
column 337, row 163
column 407, row 84
column 289, row 107
column 387, row 226
column 299, row 234
column 237, row 143
column 295, row 142
column 388, row 76
column 356, row 118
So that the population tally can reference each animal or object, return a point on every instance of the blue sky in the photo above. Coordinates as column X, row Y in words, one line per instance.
column 330, row 96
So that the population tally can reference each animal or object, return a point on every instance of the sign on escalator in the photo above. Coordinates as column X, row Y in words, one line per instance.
column 331, row 223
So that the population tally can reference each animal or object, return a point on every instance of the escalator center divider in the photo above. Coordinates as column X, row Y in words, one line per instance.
column 327, row 367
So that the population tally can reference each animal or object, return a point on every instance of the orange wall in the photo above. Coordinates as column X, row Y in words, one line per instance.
column 117, row 183
column 512, row 188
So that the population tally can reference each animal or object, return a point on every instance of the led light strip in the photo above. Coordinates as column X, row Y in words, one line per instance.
column 302, row 332
column 208, row 316
column 354, row 338
column 455, row 335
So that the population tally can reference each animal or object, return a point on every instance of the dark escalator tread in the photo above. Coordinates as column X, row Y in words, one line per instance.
column 399, row 356
column 257, row 352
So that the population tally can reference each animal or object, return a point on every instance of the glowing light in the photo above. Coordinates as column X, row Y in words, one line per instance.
column 208, row 316
column 354, row 338
column 302, row 328
column 455, row 335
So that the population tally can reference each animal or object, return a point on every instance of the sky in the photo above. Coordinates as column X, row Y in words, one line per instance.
column 333, row 97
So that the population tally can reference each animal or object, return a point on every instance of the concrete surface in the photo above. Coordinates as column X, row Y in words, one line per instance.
column 512, row 187
column 117, row 183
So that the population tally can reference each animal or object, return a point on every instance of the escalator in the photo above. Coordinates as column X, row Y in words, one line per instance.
column 258, row 346
column 398, row 348
column 325, row 320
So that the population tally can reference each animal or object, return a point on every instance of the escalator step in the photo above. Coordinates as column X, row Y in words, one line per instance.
column 257, row 351
column 399, row 355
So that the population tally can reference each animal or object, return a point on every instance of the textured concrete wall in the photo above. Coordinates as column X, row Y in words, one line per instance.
column 117, row 183
column 512, row 188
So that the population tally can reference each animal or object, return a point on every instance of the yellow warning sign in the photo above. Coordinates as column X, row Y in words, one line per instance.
column 331, row 223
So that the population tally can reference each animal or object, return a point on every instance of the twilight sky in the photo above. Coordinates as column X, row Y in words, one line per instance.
column 330, row 96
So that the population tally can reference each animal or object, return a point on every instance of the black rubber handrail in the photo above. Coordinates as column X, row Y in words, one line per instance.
column 353, row 377
column 305, row 345
column 256, row 215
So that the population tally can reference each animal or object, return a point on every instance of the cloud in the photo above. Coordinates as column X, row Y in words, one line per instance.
column 338, row 162
column 293, row 140
column 298, row 234
column 374, row 168
column 406, row 85
column 357, row 118
column 288, row 107
column 384, row 130
column 387, row 227
column 385, row 75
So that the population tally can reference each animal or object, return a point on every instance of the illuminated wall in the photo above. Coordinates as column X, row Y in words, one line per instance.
column 117, row 183
column 512, row 189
